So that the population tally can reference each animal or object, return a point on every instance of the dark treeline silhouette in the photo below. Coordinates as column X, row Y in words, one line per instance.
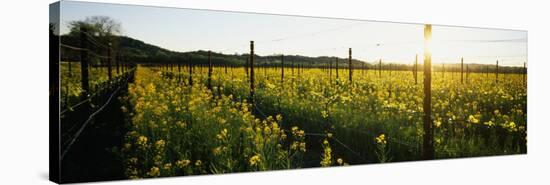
column 139, row 52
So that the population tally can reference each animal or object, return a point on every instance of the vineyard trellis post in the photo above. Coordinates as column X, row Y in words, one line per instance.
column 190, row 72
column 209, row 69
column 462, row 70
column 380, row 68
column 416, row 69
column 292, row 67
column 109, row 58
column 496, row 79
column 300, row 69
column 330, row 70
column 251, row 72
column 84, row 64
column 363, row 68
column 246, row 66
column 121, row 63
column 265, row 67
column 337, row 68
column 282, row 68
column 350, row 67
column 117, row 64
column 70, row 71
column 179, row 72
column 443, row 70
column 428, row 147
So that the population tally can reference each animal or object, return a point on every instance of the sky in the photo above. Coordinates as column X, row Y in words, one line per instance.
column 184, row 30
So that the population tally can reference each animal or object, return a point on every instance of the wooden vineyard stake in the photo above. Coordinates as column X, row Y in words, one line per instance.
column 247, row 63
column 209, row 70
column 443, row 69
column 380, row 68
column 252, row 72
column 461, row 70
column 117, row 65
column 109, row 72
column 363, row 68
column 496, row 79
column 190, row 72
column 84, row 64
column 337, row 68
column 330, row 70
column 282, row 68
column 292, row 67
column 70, row 71
column 428, row 145
column 350, row 67
column 416, row 69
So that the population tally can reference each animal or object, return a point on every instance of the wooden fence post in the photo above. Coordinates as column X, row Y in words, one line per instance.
column 117, row 64
column 428, row 152
column 416, row 69
column 337, row 68
column 190, row 72
column 330, row 70
column 246, row 65
column 380, row 68
column 496, row 80
column 292, row 67
column 363, row 68
column 443, row 75
column 252, row 72
column 109, row 72
column 462, row 70
column 209, row 69
column 350, row 67
column 282, row 68
column 84, row 64
column 122, row 64
column 70, row 71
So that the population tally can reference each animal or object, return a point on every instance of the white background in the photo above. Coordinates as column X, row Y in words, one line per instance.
column 24, row 91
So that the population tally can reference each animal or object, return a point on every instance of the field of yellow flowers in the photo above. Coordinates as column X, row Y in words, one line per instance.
column 71, row 85
column 311, row 118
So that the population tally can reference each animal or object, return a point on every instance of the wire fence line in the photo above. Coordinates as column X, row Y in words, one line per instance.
column 93, row 40
column 318, row 134
column 391, row 139
column 90, row 118
column 91, row 96
column 83, row 49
